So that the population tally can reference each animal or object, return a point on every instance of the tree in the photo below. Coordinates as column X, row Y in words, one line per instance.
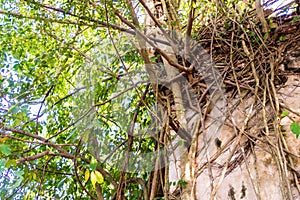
column 132, row 99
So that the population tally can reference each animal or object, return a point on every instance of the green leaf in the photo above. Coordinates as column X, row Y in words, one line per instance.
column 194, row 4
column 282, row 38
column 99, row 177
column 86, row 175
column 226, row 25
column 14, row 109
column 19, row 173
column 60, row 183
column 295, row 19
column 5, row 149
column 93, row 178
column 295, row 128
column 93, row 164
column 2, row 165
column 284, row 113
column 17, row 183
column 10, row 163
column 96, row 177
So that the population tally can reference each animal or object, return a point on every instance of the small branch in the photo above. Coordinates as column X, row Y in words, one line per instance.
column 160, row 51
column 76, row 174
column 3, row 135
column 30, row 158
column 180, row 131
column 55, row 172
column 189, row 29
column 130, row 141
column 19, row 15
column 62, row 151
column 49, row 7
column 23, row 133
column 96, row 23
column 40, row 109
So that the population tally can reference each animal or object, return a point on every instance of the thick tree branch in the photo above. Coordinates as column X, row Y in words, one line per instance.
column 260, row 15
column 156, row 21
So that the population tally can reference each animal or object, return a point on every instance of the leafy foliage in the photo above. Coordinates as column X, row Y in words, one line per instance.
column 57, row 64
column 295, row 128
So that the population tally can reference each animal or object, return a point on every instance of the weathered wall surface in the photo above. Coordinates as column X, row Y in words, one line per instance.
column 253, row 171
